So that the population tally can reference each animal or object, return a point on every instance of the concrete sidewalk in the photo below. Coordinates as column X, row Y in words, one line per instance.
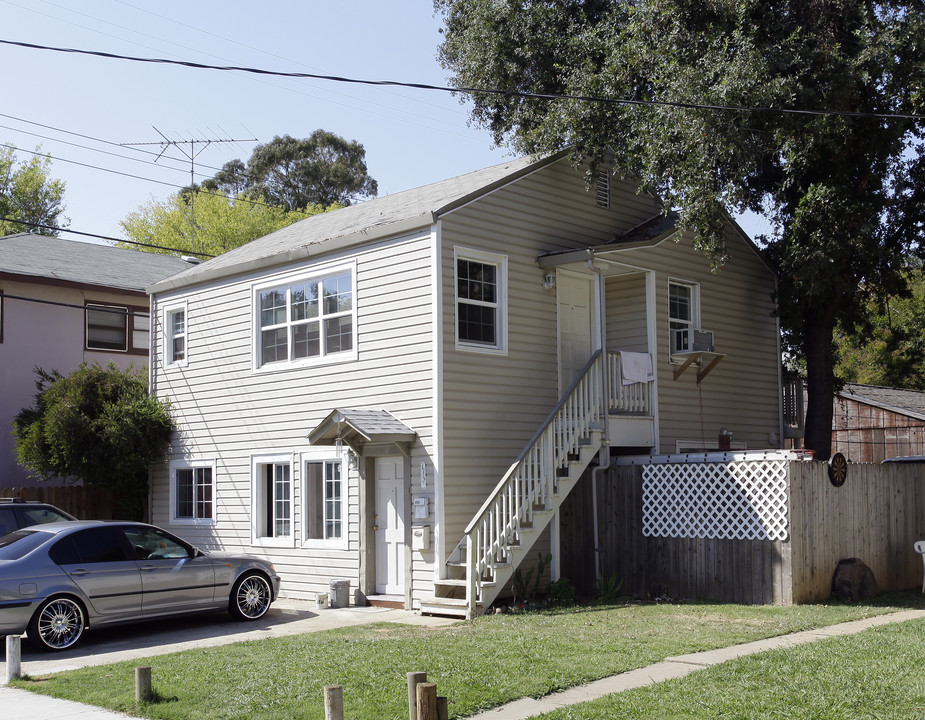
column 291, row 617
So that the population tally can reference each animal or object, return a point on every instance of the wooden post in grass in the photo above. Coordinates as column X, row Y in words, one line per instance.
column 427, row 701
column 414, row 678
column 443, row 710
column 13, row 657
column 333, row 702
column 143, row 683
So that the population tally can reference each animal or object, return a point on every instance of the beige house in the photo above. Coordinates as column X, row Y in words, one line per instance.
column 401, row 393
column 64, row 302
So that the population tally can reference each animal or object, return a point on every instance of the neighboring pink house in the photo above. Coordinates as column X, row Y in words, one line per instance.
column 64, row 302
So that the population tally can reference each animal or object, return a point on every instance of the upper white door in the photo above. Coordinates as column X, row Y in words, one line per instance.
column 390, row 525
column 575, row 302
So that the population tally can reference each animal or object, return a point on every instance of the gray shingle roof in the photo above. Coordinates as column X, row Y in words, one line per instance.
column 359, row 426
column 41, row 256
column 906, row 402
column 402, row 211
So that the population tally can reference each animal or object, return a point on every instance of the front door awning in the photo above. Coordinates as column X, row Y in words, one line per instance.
column 358, row 428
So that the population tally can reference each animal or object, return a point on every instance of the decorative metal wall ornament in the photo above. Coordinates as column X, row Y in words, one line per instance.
column 838, row 469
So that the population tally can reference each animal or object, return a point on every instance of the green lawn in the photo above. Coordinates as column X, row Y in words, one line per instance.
column 477, row 665
column 876, row 674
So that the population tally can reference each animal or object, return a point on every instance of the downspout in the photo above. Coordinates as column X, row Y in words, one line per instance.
column 603, row 457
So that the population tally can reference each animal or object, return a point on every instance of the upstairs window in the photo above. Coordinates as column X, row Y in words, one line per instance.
column 480, row 300
column 307, row 320
column 175, row 336
column 117, row 328
column 682, row 315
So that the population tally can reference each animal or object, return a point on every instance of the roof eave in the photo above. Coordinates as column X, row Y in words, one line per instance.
column 303, row 252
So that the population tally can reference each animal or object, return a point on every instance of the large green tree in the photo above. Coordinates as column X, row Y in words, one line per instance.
column 206, row 222
column 888, row 350
column 28, row 194
column 98, row 425
column 841, row 183
column 323, row 169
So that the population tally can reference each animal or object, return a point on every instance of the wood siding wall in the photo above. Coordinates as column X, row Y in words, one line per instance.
column 493, row 404
column 227, row 412
column 876, row 516
column 867, row 434
column 742, row 394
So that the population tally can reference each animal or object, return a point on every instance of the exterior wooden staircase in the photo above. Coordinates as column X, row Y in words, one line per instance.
column 501, row 534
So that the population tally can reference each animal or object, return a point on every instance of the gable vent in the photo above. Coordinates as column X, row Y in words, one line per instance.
column 603, row 189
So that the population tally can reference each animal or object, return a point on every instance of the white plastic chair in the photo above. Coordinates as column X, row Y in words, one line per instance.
column 920, row 549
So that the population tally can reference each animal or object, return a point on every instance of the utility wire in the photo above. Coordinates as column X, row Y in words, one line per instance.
column 240, row 198
column 468, row 90
column 40, row 226
column 58, row 303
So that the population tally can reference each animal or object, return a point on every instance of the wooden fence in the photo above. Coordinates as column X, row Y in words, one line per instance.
column 876, row 516
column 81, row 502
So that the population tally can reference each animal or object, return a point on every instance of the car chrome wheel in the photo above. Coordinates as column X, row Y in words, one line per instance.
column 58, row 624
column 251, row 597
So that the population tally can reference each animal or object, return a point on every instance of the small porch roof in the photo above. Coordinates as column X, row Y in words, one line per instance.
column 647, row 234
column 357, row 428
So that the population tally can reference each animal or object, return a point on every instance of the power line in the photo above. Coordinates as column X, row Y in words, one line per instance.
column 469, row 90
column 40, row 226
column 58, row 303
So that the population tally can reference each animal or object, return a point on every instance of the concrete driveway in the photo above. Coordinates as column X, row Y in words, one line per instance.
column 128, row 642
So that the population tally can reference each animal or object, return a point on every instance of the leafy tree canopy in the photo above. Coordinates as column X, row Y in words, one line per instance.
column 29, row 195
column 97, row 425
column 323, row 169
column 844, row 192
column 890, row 351
column 206, row 222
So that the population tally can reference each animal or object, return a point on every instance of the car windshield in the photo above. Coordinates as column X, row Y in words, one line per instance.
column 39, row 515
column 20, row 543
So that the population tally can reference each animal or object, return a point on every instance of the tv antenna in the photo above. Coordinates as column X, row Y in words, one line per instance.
column 196, row 146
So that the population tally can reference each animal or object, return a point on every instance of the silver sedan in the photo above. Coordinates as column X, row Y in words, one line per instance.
column 58, row 579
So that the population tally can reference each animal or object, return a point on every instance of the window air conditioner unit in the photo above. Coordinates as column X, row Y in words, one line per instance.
column 691, row 340
column 702, row 341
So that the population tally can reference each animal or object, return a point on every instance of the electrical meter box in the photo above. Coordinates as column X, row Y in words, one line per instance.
column 420, row 537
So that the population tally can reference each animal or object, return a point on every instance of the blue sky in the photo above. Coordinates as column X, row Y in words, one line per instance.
column 412, row 137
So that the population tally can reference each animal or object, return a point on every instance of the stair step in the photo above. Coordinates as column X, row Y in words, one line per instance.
column 453, row 582
column 444, row 606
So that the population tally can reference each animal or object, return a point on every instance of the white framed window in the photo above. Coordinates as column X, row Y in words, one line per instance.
column 481, row 301
column 192, row 493
column 175, row 335
column 306, row 320
column 272, row 500
column 683, row 314
column 324, row 502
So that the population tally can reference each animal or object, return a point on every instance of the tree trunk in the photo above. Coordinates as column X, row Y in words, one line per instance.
column 818, row 332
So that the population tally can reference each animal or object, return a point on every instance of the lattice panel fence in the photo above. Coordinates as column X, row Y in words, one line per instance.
column 722, row 500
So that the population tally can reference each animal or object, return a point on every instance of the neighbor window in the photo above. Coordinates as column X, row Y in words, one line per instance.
column 480, row 300
column 117, row 328
column 682, row 314
column 272, row 514
column 324, row 501
column 175, row 336
column 193, row 494
column 308, row 319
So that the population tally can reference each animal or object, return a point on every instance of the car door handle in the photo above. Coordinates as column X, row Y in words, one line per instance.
column 81, row 571
column 148, row 568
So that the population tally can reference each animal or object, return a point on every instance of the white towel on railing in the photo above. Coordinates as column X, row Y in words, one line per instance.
column 637, row 367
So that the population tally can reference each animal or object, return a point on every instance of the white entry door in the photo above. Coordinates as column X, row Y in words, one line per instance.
column 575, row 297
column 390, row 525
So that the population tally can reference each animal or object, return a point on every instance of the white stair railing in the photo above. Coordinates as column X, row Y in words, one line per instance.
column 531, row 482
column 632, row 399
